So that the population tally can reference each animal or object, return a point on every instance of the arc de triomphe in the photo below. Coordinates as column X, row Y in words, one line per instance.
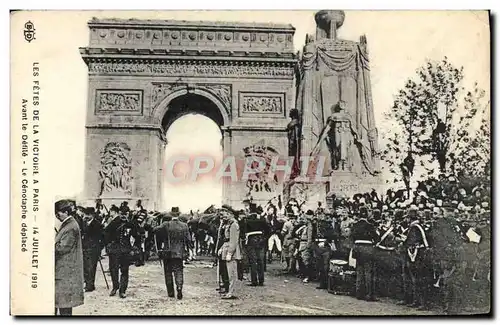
column 144, row 74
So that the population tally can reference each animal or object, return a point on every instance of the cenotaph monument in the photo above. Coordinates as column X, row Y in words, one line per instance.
column 334, row 102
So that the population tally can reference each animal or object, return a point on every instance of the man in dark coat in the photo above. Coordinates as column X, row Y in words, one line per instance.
column 416, row 246
column 92, row 242
column 118, row 231
column 256, row 230
column 364, row 236
column 138, row 218
column 68, row 269
column 175, row 242
column 322, row 248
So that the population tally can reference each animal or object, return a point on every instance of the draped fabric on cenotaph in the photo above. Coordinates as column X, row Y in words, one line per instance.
column 331, row 71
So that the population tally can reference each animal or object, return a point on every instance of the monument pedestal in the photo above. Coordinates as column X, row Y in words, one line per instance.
column 309, row 193
column 347, row 184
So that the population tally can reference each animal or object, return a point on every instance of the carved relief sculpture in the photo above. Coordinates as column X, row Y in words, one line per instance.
column 333, row 71
column 222, row 92
column 260, row 182
column 116, row 165
column 201, row 70
column 110, row 101
column 347, row 152
column 251, row 104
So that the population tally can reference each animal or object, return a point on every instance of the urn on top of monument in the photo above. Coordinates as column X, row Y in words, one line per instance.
column 327, row 23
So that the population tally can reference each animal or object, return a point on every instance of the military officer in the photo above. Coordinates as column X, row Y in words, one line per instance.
column 416, row 246
column 139, row 220
column 322, row 247
column 256, row 230
column 231, row 250
column 118, row 231
column 306, row 246
column 364, row 236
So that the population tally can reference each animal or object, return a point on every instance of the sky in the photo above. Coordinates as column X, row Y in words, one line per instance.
column 398, row 42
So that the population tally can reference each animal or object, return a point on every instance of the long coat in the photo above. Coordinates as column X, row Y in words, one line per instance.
column 68, row 265
column 232, row 245
column 175, row 238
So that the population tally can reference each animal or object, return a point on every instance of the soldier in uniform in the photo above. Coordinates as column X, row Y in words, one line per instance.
column 289, row 242
column 274, row 236
column 118, row 231
column 139, row 220
column 322, row 247
column 306, row 246
column 256, row 230
column 364, row 236
column 221, row 263
column 92, row 243
column 299, row 228
column 387, row 262
column 416, row 246
column 231, row 250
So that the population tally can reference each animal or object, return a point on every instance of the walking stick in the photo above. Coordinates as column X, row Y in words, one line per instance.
column 217, row 255
column 156, row 248
column 103, row 274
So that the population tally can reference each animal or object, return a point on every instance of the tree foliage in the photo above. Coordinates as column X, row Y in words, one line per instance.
column 435, row 122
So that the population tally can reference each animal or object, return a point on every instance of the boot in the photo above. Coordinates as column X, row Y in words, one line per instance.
column 179, row 294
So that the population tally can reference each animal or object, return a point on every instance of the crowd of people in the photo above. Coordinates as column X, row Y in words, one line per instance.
column 421, row 247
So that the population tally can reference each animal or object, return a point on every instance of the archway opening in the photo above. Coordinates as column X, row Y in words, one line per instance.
column 192, row 123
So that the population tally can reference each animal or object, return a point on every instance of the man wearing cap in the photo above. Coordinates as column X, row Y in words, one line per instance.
column 139, row 219
column 298, row 229
column 416, row 246
column 275, row 227
column 92, row 243
column 221, row 263
column 117, row 234
column 322, row 248
column 231, row 250
column 256, row 230
column 289, row 242
column 68, row 255
column 175, row 241
column 364, row 236
column 306, row 246
column 449, row 254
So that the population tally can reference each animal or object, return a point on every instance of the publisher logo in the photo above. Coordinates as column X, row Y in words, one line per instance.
column 29, row 31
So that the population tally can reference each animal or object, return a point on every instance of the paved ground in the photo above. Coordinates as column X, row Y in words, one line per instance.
column 281, row 295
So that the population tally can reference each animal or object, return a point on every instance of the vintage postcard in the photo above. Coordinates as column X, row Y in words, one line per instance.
column 327, row 162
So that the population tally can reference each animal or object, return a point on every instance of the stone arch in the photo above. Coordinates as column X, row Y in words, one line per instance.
column 162, row 107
